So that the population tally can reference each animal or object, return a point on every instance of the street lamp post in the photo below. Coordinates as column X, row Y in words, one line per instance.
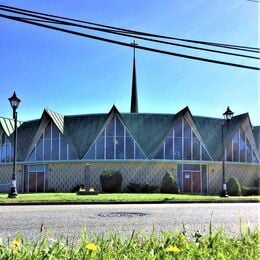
column 14, row 101
column 227, row 117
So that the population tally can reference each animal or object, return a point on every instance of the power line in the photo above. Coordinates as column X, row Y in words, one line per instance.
column 128, row 44
column 118, row 32
column 222, row 45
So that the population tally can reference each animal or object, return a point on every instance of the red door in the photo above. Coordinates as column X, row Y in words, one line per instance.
column 186, row 181
column 40, row 182
column 196, row 182
column 32, row 182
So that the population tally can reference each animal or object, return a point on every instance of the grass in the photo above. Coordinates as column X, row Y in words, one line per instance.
column 164, row 246
column 116, row 197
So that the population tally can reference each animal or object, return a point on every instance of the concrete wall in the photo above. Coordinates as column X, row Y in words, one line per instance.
column 64, row 176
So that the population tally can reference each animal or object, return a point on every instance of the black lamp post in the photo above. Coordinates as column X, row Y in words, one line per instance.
column 227, row 117
column 14, row 101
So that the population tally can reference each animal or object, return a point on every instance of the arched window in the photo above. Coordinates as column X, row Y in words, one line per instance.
column 115, row 143
column 52, row 146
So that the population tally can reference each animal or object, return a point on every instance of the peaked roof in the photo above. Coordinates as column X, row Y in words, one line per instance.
column 57, row 118
column 211, row 132
column 148, row 130
column 8, row 125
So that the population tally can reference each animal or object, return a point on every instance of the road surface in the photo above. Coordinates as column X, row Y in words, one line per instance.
column 70, row 220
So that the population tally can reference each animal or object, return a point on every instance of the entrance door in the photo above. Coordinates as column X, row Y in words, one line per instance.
column 191, row 182
column 34, row 182
column 196, row 182
column 187, row 181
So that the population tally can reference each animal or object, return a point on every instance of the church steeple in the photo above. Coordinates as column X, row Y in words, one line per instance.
column 134, row 99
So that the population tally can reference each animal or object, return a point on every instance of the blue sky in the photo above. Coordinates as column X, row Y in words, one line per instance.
column 75, row 75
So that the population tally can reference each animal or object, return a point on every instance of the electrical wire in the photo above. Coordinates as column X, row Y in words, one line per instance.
column 238, row 47
column 129, row 44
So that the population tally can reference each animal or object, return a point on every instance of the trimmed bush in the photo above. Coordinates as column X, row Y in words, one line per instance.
column 233, row 187
column 111, row 181
column 169, row 184
column 141, row 188
column 249, row 191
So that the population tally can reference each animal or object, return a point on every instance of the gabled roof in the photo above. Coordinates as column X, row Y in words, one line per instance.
column 148, row 130
column 83, row 130
column 210, row 130
column 57, row 119
column 8, row 125
column 25, row 135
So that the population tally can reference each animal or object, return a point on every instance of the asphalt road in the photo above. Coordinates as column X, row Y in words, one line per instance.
column 69, row 220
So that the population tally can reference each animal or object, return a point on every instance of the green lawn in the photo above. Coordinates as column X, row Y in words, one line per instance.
column 117, row 197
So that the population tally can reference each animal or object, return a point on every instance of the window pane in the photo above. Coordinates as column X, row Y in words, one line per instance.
column 55, row 131
column 196, row 149
column 169, row 149
column 187, row 149
column 129, row 148
column 8, row 152
column 120, row 148
column 72, row 154
column 39, row 150
column 91, row 153
column 159, row 154
column 242, row 146
column 204, row 179
column 100, row 147
column 47, row 149
column 205, row 156
column 32, row 156
column 138, row 153
column 235, row 152
column 110, row 148
column 55, row 149
column 187, row 129
column 229, row 152
column 63, row 149
column 178, row 148
column 119, row 128
column 48, row 131
column 178, row 128
column 248, row 151
column 110, row 128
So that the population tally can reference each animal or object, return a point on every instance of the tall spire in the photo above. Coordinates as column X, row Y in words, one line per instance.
column 134, row 99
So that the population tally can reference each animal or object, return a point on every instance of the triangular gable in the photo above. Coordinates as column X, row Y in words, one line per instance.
column 242, row 123
column 83, row 130
column 57, row 118
column 186, row 115
column 148, row 129
column 7, row 125
column 116, row 139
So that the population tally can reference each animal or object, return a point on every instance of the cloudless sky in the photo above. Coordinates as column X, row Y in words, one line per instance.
column 75, row 75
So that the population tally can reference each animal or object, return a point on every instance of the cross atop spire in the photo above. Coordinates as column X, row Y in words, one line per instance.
column 134, row 99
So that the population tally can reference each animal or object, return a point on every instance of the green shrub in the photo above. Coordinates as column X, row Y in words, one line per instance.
column 249, row 191
column 169, row 184
column 141, row 188
column 233, row 187
column 111, row 181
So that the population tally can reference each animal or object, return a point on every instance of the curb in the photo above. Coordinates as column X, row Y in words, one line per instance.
column 124, row 202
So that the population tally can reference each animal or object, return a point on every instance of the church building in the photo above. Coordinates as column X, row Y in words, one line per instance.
column 55, row 152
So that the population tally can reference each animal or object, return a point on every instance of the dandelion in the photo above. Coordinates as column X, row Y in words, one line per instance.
column 173, row 249
column 16, row 243
column 91, row 247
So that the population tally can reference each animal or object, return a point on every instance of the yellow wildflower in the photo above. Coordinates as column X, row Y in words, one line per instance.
column 16, row 243
column 173, row 249
column 91, row 247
